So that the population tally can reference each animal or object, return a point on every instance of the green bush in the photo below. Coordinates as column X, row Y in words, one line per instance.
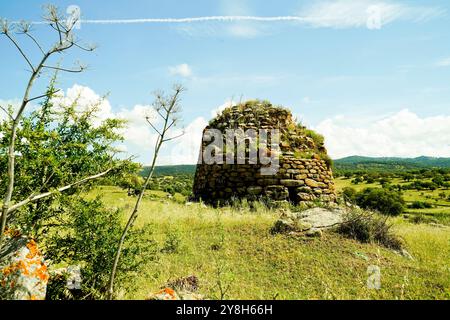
column 420, row 205
column 369, row 227
column 88, row 238
column 172, row 242
column 349, row 194
column 317, row 138
column 421, row 218
column 383, row 200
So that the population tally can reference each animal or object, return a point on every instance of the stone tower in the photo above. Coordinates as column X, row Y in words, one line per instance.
column 303, row 173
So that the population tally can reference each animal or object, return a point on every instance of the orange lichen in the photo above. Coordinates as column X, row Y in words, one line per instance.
column 32, row 247
column 12, row 233
column 42, row 273
column 170, row 293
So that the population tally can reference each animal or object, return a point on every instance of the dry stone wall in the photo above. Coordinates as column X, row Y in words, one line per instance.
column 304, row 172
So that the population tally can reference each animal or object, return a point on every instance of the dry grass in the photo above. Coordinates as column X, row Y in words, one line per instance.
column 235, row 248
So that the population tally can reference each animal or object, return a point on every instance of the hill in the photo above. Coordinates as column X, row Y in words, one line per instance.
column 171, row 170
column 390, row 163
column 345, row 164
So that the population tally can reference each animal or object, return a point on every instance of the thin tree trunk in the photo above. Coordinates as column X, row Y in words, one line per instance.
column 130, row 222
column 161, row 139
column 11, row 149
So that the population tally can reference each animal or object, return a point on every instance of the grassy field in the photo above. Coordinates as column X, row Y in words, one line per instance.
column 233, row 250
column 440, row 212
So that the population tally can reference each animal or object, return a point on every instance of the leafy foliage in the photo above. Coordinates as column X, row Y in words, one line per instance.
column 383, row 200
column 88, row 237
column 57, row 146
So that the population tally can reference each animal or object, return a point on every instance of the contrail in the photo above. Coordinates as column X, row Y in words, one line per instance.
column 197, row 19
column 190, row 20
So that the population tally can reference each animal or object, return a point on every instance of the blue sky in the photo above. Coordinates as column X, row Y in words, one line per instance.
column 378, row 89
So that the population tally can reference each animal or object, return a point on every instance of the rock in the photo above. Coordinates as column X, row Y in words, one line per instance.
column 311, row 222
column 314, row 233
column 164, row 294
column 302, row 196
column 292, row 183
column 322, row 218
column 254, row 190
column 311, row 183
column 188, row 284
column 288, row 225
column 179, row 289
column 23, row 271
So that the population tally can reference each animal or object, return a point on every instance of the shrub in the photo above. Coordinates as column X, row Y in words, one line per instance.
column 383, row 200
column 349, row 194
column 420, row 218
column 172, row 242
column 88, row 238
column 420, row 205
column 317, row 138
column 369, row 227
column 357, row 180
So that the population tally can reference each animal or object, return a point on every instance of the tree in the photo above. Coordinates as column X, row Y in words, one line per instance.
column 357, row 180
column 57, row 144
column 349, row 194
column 383, row 200
column 65, row 41
column 438, row 181
column 167, row 108
column 132, row 182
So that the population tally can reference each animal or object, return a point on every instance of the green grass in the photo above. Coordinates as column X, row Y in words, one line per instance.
column 234, row 247
column 440, row 213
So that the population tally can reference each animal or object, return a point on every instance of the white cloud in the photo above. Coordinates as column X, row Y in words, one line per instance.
column 138, row 132
column 5, row 104
column 443, row 62
column 185, row 149
column 183, row 70
column 372, row 14
column 228, row 103
column 84, row 98
column 139, row 137
column 403, row 134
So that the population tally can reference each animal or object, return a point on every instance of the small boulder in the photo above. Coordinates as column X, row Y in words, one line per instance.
column 23, row 271
column 311, row 183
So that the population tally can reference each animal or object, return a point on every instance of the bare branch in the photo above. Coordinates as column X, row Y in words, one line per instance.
column 89, row 49
column 20, row 50
column 7, row 113
column 42, row 96
column 150, row 123
column 174, row 121
column 34, row 197
column 169, row 139
column 35, row 41
column 169, row 121
column 81, row 69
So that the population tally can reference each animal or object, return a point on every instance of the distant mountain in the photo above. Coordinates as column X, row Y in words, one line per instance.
column 171, row 170
column 390, row 163
column 349, row 163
